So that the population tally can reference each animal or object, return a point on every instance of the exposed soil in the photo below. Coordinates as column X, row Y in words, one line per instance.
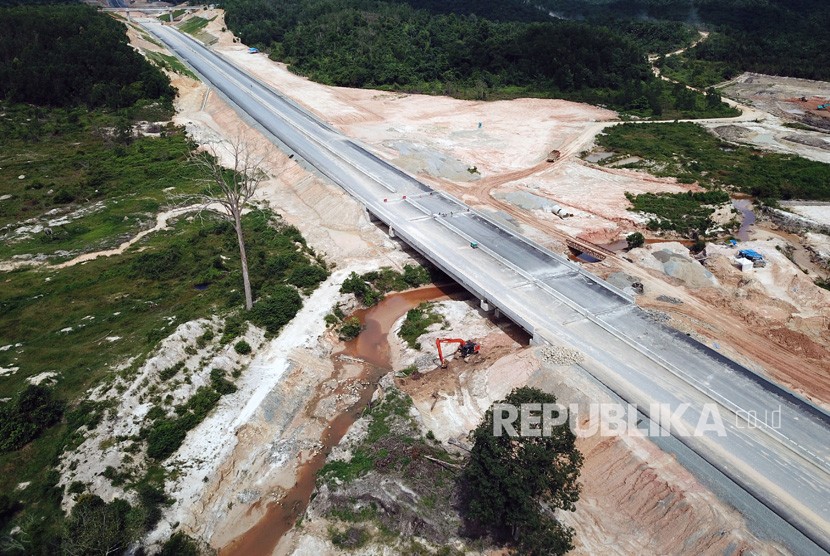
column 779, row 101
column 372, row 350
column 635, row 498
column 283, row 428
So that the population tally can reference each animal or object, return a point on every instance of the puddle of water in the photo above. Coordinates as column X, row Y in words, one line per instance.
column 624, row 161
column 598, row 157
column 372, row 347
column 616, row 246
column 582, row 257
column 744, row 206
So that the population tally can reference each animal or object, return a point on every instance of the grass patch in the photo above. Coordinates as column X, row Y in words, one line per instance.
column 801, row 127
column 141, row 297
column 690, row 153
column 74, row 162
column 395, row 406
column 686, row 213
column 169, row 62
column 176, row 15
column 408, row 371
column 194, row 24
column 416, row 323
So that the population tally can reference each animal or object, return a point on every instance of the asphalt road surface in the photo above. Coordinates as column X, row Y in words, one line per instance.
column 773, row 445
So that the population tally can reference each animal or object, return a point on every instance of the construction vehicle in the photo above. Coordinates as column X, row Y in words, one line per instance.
column 553, row 156
column 466, row 348
column 825, row 106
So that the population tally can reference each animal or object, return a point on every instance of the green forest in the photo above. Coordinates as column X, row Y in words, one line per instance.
column 778, row 37
column 69, row 55
column 418, row 47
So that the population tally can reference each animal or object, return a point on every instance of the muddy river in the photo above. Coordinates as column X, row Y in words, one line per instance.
column 371, row 347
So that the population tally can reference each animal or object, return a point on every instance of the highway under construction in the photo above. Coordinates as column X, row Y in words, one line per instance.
column 775, row 445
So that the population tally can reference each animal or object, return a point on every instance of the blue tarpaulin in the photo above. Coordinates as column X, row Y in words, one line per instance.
column 750, row 254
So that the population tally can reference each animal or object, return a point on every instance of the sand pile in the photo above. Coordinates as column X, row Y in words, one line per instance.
column 673, row 259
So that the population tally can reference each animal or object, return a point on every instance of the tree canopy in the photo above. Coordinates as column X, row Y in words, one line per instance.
column 512, row 484
column 417, row 47
column 778, row 37
column 69, row 55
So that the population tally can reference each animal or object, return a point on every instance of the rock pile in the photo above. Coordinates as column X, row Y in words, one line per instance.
column 561, row 355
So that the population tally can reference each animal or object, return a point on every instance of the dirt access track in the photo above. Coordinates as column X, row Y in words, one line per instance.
column 498, row 166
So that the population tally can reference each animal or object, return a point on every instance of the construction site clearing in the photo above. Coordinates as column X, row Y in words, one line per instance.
column 242, row 475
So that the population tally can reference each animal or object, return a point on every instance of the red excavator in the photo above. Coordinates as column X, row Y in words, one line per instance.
column 466, row 348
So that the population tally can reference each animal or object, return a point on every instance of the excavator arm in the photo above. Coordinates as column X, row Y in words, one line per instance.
column 440, row 341
column 467, row 348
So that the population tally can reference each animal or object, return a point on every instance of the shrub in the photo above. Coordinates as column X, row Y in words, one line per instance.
column 242, row 347
column 416, row 323
column 76, row 487
column 415, row 276
column 220, row 383
column 284, row 262
column 170, row 372
column 235, row 326
column 63, row 197
column 203, row 340
column 157, row 265
column 165, row 438
column 372, row 297
column 8, row 507
column 87, row 414
column 351, row 538
column 151, row 498
column 351, row 329
column 635, row 240
column 95, row 527
column 27, row 416
column 276, row 309
column 354, row 284
column 179, row 544
column 307, row 276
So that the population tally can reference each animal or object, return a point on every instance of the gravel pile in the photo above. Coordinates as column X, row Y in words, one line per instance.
column 657, row 316
column 560, row 355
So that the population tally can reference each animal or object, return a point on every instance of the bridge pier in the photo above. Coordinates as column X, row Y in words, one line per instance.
column 391, row 231
column 485, row 306
column 538, row 337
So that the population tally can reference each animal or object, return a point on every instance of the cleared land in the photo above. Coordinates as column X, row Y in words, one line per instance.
column 253, row 456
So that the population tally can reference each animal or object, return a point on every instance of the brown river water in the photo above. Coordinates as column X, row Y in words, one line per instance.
column 372, row 347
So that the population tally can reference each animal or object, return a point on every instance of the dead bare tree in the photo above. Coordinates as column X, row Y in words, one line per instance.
column 228, row 190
